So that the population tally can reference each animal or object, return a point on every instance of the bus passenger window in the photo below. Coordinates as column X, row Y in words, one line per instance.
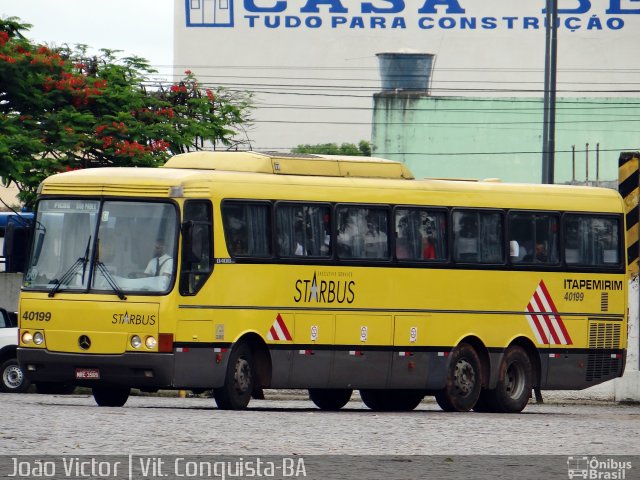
column 533, row 238
column 303, row 230
column 362, row 233
column 247, row 228
column 420, row 234
column 477, row 236
column 591, row 240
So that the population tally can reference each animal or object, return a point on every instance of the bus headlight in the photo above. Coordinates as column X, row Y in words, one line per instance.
column 150, row 342
column 136, row 341
column 27, row 337
column 38, row 338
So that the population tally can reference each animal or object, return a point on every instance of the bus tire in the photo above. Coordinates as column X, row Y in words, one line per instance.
column 239, row 380
column 13, row 378
column 330, row 399
column 391, row 400
column 485, row 403
column 111, row 396
column 515, row 381
column 464, row 381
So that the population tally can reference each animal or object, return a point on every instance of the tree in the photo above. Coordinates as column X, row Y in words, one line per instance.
column 362, row 149
column 61, row 109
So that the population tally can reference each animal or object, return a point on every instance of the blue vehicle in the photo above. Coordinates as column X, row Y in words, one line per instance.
column 16, row 230
column 22, row 219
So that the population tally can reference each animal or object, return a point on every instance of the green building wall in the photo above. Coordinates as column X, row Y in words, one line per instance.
column 463, row 137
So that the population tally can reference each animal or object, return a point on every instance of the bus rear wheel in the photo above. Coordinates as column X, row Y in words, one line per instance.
column 331, row 399
column 464, row 381
column 111, row 396
column 391, row 400
column 486, row 402
column 515, row 381
column 239, row 380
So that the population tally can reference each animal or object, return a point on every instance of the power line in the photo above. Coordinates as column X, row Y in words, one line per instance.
column 432, row 89
column 376, row 82
column 439, row 69
column 523, row 152
column 437, row 124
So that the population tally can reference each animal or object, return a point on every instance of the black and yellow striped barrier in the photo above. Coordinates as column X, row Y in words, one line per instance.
column 629, row 188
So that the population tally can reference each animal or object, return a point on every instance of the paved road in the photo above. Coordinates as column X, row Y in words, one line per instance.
column 74, row 425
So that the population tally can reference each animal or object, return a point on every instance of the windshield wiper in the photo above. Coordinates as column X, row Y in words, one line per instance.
column 110, row 280
column 72, row 270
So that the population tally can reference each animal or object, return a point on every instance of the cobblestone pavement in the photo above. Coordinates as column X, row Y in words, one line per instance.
column 290, row 424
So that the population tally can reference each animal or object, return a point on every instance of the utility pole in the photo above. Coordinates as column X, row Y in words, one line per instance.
column 550, row 63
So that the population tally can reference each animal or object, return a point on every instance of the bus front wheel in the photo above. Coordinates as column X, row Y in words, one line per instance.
column 239, row 380
column 111, row 396
column 464, row 381
column 331, row 399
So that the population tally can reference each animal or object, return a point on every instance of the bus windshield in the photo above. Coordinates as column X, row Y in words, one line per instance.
column 110, row 246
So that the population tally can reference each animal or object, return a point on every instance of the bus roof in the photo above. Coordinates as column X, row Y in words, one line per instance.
column 292, row 164
column 187, row 177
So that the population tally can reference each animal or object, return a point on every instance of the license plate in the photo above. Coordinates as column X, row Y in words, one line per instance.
column 87, row 374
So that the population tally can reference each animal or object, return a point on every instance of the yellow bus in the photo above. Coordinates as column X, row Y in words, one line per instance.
column 239, row 271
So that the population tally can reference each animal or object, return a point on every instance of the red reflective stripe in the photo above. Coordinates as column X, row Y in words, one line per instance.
column 283, row 327
column 273, row 333
column 565, row 333
column 539, row 328
column 547, row 320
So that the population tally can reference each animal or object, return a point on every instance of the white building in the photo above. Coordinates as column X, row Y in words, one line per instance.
column 313, row 68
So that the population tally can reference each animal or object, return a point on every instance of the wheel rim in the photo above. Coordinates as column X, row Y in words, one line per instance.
column 242, row 375
column 465, row 377
column 13, row 376
column 514, row 380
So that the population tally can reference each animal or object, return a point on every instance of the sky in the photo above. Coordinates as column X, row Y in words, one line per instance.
column 138, row 27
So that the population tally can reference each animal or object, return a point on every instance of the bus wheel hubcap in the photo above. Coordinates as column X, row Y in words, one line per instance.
column 465, row 377
column 243, row 375
column 514, row 380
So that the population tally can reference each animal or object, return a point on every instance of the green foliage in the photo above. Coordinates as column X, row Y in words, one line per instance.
column 61, row 109
column 362, row 149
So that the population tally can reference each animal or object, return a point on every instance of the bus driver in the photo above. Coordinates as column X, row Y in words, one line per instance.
column 161, row 263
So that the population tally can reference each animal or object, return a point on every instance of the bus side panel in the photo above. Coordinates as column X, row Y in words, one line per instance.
column 281, row 360
column 314, row 335
column 311, row 368
column 603, row 360
column 360, row 369
column 418, row 370
column 362, row 358
column 412, row 366
column 199, row 367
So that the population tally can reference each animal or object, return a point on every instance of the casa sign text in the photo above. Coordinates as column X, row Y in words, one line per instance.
column 399, row 14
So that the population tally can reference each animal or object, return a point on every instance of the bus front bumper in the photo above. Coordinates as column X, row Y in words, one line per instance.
column 132, row 369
